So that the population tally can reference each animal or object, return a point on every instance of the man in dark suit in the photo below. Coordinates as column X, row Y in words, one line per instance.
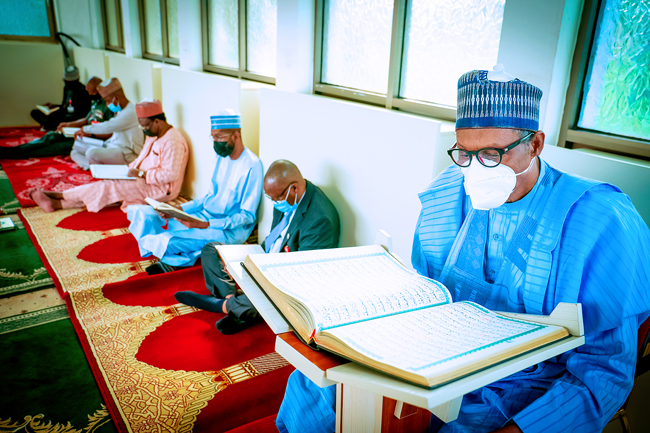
column 303, row 219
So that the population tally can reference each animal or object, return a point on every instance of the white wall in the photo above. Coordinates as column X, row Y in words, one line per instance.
column 30, row 73
column 189, row 99
column 91, row 63
column 369, row 161
column 136, row 76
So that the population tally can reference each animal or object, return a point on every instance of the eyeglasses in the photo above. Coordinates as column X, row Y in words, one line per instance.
column 489, row 157
column 285, row 198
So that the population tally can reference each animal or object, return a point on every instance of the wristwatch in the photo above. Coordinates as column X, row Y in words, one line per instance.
column 141, row 173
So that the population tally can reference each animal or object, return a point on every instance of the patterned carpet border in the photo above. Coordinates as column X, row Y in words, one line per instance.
column 111, row 335
column 34, row 318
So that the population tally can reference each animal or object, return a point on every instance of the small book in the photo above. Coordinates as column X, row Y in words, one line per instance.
column 363, row 304
column 110, row 171
column 91, row 141
column 46, row 110
column 6, row 224
column 69, row 131
column 171, row 211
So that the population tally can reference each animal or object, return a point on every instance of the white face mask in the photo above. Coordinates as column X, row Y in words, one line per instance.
column 490, row 187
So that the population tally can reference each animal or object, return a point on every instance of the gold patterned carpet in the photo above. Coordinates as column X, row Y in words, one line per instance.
column 161, row 366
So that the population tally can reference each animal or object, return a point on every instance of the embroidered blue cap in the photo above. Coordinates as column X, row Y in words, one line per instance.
column 495, row 99
column 226, row 119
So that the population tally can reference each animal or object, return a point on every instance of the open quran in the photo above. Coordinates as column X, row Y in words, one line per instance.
column 171, row 211
column 363, row 304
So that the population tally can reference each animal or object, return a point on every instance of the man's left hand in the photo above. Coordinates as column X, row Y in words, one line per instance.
column 194, row 224
column 133, row 172
column 80, row 134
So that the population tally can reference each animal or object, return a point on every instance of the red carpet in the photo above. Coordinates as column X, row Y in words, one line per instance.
column 55, row 173
column 160, row 365
column 13, row 136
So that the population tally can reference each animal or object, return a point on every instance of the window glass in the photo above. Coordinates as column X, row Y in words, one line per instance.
column 616, row 97
column 152, row 23
column 356, row 43
column 111, row 23
column 443, row 39
column 24, row 18
column 223, row 33
column 261, row 36
column 172, row 28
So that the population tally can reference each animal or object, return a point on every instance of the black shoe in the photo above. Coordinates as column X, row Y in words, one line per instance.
column 203, row 302
column 230, row 325
column 159, row 268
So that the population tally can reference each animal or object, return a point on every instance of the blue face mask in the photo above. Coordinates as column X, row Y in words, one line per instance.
column 285, row 207
column 114, row 108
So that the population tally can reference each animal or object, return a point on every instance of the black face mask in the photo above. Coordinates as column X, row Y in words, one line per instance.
column 222, row 148
column 148, row 132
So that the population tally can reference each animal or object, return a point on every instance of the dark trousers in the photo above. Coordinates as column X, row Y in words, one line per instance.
column 51, row 144
column 51, row 121
column 221, row 284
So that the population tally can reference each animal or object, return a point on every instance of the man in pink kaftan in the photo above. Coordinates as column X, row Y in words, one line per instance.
column 157, row 172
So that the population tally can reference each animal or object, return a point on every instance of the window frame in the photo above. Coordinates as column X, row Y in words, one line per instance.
column 241, row 72
column 47, row 39
column 120, row 29
column 164, row 58
column 391, row 100
column 571, row 136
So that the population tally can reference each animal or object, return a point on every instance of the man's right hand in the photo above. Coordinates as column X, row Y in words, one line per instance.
column 165, row 216
column 62, row 125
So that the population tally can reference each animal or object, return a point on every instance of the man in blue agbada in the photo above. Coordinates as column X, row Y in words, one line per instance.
column 502, row 228
column 229, row 209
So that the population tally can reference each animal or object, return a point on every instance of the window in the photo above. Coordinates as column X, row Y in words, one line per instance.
column 239, row 38
column 159, row 28
column 608, row 103
column 27, row 20
column 405, row 54
column 112, row 16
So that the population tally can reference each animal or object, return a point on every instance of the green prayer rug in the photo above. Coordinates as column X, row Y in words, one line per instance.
column 47, row 384
column 8, row 202
column 21, row 270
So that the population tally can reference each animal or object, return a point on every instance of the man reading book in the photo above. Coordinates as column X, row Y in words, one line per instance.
column 125, row 138
column 303, row 219
column 75, row 103
column 228, row 211
column 158, row 172
column 503, row 228
column 55, row 143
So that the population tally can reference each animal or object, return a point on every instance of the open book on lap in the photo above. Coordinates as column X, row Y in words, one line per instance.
column 69, row 131
column 47, row 110
column 171, row 211
column 110, row 171
column 364, row 305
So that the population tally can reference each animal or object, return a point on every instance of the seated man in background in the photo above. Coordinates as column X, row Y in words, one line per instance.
column 75, row 104
column 158, row 172
column 124, row 138
column 54, row 143
column 303, row 219
column 504, row 229
column 229, row 209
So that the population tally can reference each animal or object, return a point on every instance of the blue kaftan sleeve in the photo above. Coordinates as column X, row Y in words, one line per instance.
column 252, row 193
column 193, row 206
column 603, row 262
column 418, row 260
